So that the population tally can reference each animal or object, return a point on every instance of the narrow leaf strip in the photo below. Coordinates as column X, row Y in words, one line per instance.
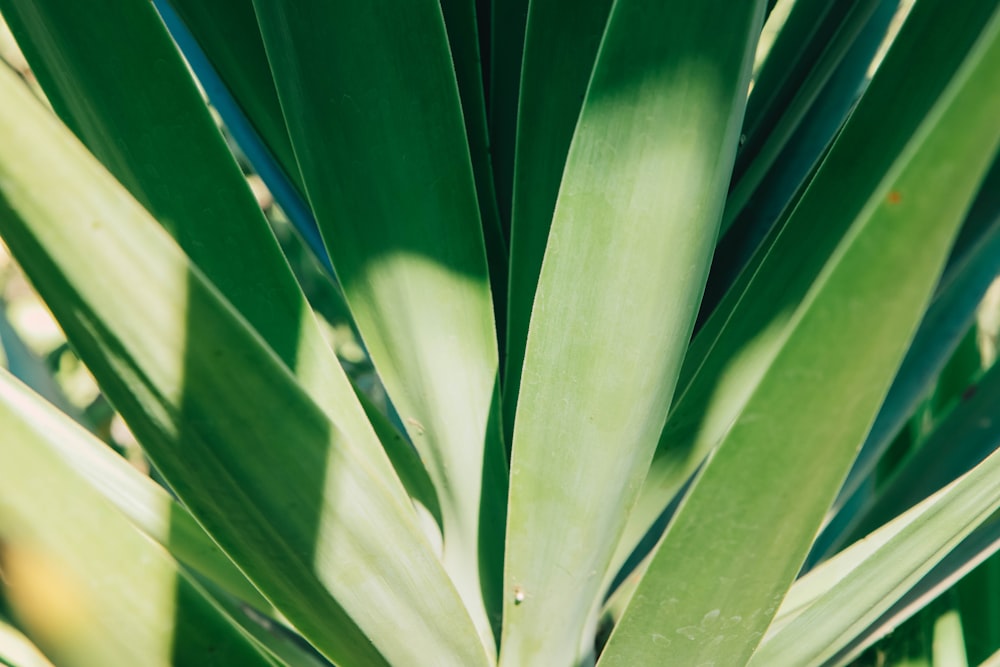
column 982, row 544
column 460, row 20
column 799, row 155
column 17, row 650
column 280, row 642
column 762, row 495
column 292, row 499
column 229, row 36
column 508, row 19
column 808, row 51
column 977, row 547
column 964, row 438
column 644, row 179
column 818, row 618
column 245, row 109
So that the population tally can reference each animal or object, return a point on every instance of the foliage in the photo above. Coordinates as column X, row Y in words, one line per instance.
column 634, row 327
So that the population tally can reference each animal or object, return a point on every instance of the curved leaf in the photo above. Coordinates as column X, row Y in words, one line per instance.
column 115, row 77
column 762, row 494
column 738, row 344
column 644, row 179
column 147, row 505
column 560, row 45
column 119, row 600
column 293, row 500
column 372, row 103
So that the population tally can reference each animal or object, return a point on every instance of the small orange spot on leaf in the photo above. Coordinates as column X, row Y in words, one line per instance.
column 895, row 197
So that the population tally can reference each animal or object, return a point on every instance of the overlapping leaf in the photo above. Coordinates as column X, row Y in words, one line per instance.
column 117, row 600
column 370, row 95
column 763, row 493
column 314, row 518
column 644, row 180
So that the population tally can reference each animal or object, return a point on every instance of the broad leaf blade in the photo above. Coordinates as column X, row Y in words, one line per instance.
column 116, row 600
column 218, row 411
column 644, row 179
column 147, row 505
column 800, row 428
column 974, row 265
column 372, row 104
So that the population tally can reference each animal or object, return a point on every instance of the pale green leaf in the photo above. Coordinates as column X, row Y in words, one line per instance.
column 372, row 104
column 147, row 505
column 738, row 343
column 560, row 45
column 644, row 180
column 315, row 518
column 16, row 650
column 762, row 494
column 112, row 73
column 831, row 605
column 116, row 600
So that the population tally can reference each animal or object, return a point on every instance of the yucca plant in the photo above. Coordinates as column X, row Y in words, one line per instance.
column 636, row 327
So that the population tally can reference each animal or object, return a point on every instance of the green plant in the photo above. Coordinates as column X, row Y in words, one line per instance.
column 588, row 168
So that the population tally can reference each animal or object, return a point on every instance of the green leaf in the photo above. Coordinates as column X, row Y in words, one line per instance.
column 800, row 153
column 738, row 343
column 949, row 639
column 280, row 641
column 115, row 77
column 810, row 48
column 973, row 266
column 117, row 600
column 644, row 179
column 372, row 103
column 460, row 20
column 16, row 650
column 223, row 47
column 976, row 548
column 831, row 605
column 980, row 613
column 762, row 494
column 559, row 50
column 509, row 18
column 147, row 505
column 964, row 438
column 228, row 34
column 294, row 500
